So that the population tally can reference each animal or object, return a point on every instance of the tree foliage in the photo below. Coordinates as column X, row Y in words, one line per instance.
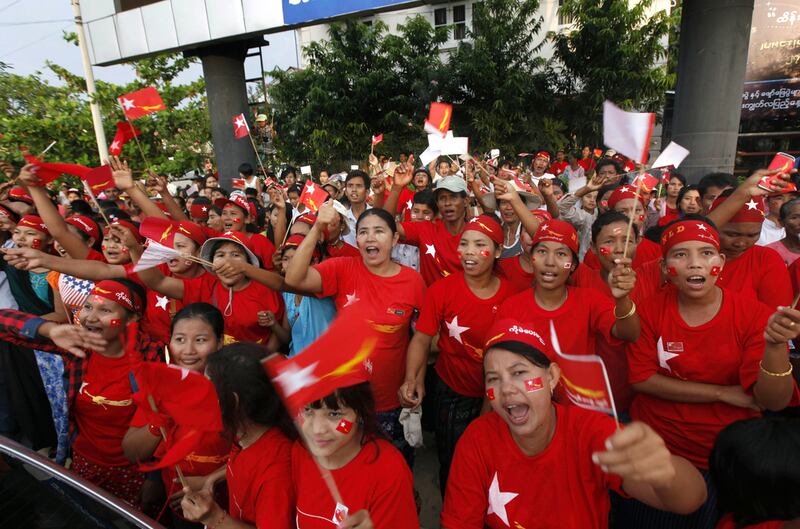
column 34, row 113
column 614, row 50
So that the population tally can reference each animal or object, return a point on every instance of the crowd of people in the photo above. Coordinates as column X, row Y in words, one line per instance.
column 687, row 293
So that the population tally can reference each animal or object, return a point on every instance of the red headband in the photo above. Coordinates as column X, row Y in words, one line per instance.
column 486, row 225
column 119, row 294
column 508, row 330
column 199, row 211
column 557, row 231
column 10, row 213
column 689, row 230
column 85, row 225
column 130, row 227
column 295, row 240
column 623, row 193
column 752, row 211
column 34, row 222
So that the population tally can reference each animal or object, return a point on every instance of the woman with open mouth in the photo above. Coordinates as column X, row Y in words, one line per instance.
column 707, row 356
column 460, row 309
column 534, row 462
column 389, row 295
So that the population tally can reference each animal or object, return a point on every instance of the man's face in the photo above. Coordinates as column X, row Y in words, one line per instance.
column 356, row 190
column 539, row 166
column 711, row 194
column 737, row 237
column 112, row 193
column 560, row 156
column 775, row 202
column 608, row 173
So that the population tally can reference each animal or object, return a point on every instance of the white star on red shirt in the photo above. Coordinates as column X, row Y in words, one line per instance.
column 498, row 500
column 663, row 355
column 409, row 204
column 128, row 104
column 752, row 205
column 351, row 299
column 161, row 302
column 430, row 250
column 454, row 329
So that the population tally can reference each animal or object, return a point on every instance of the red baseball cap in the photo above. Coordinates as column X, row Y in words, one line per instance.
column 752, row 211
column 509, row 330
column 543, row 154
column 158, row 229
column 192, row 231
column 557, row 231
column 487, row 225
column 238, row 200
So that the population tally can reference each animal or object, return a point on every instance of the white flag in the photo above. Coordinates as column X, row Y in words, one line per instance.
column 673, row 155
column 154, row 255
column 627, row 132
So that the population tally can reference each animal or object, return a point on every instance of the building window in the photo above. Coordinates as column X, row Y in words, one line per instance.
column 440, row 17
column 459, row 22
column 563, row 20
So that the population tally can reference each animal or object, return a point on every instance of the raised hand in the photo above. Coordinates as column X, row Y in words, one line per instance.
column 28, row 177
column 76, row 339
column 637, row 453
column 782, row 326
column 123, row 177
column 622, row 278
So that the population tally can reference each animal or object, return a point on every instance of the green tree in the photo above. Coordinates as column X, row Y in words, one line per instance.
column 613, row 51
column 34, row 112
column 359, row 82
column 497, row 81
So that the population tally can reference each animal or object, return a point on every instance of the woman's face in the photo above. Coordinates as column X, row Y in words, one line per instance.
column 674, row 187
column 229, row 251
column 184, row 245
column 216, row 194
column 552, row 264
column 520, row 392
column 690, row 203
column 294, row 199
column 103, row 317
column 211, row 182
column 375, row 240
column 420, row 181
column 114, row 251
column 286, row 258
column 589, row 201
column 192, row 341
column 331, row 432
column 25, row 237
column 77, row 233
column 299, row 228
column 477, row 253
column 274, row 215
column 693, row 267
column 233, row 218
column 214, row 221
column 630, row 207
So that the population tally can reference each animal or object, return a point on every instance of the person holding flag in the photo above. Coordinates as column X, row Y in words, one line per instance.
column 459, row 309
column 239, row 215
column 98, row 369
column 534, row 462
column 390, row 295
column 707, row 356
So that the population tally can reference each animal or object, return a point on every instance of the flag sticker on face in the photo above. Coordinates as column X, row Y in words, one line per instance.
column 490, row 393
column 344, row 426
column 534, row 384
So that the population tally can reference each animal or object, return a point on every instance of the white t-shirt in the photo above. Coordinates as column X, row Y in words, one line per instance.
column 770, row 232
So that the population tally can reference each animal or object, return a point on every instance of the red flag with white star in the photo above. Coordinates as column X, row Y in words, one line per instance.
column 141, row 103
column 646, row 182
column 125, row 132
column 313, row 196
column 377, row 139
column 240, row 127
column 338, row 358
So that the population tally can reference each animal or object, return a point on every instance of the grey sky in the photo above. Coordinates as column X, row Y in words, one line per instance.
column 26, row 46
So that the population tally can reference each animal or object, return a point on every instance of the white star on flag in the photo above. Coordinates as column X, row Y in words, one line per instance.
column 240, row 122
column 663, row 355
column 310, row 187
column 454, row 329
column 430, row 250
column 161, row 302
column 115, row 146
column 293, row 379
column 351, row 299
column 701, row 226
column 128, row 104
column 498, row 500
column 752, row 205
column 409, row 204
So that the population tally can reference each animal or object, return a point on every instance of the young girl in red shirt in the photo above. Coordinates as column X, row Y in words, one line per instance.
column 376, row 486
column 532, row 462
column 258, row 473
column 459, row 309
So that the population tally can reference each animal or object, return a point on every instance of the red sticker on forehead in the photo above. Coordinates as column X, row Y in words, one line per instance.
column 344, row 426
column 534, row 384
column 490, row 393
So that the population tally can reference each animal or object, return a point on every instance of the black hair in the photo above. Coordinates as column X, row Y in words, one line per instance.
column 295, row 189
column 426, row 197
column 287, row 212
column 107, row 204
column 678, row 176
column 246, row 169
column 716, row 180
column 602, row 162
column 529, row 352
column 289, row 170
column 387, row 217
column 358, row 173
column 360, row 399
column 685, row 189
column 560, row 184
column 244, row 390
column 115, row 213
column 604, row 219
column 221, row 190
column 81, row 207
column 251, row 192
column 693, row 216
column 605, row 189
column 755, row 467
column 202, row 311
column 135, row 290
column 784, row 212
column 202, row 200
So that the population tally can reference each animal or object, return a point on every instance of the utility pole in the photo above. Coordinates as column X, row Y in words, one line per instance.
column 97, row 118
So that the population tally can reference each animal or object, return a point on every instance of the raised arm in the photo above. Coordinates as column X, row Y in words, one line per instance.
column 153, row 279
column 123, row 179
column 775, row 385
column 723, row 213
column 277, row 198
column 173, row 207
column 29, row 259
column 301, row 276
column 529, row 221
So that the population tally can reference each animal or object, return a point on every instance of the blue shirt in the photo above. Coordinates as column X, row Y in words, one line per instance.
column 308, row 320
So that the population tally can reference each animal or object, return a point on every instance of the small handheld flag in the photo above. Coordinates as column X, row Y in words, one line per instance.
column 313, row 196
column 628, row 132
column 439, row 116
column 125, row 132
column 240, row 127
column 141, row 103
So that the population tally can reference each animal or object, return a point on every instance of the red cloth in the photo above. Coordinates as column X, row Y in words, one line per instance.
column 345, row 250
column 393, row 301
column 724, row 351
column 377, row 479
column 646, row 251
column 103, row 409
column 511, row 269
column 242, row 325
column 760, row 273
column 670, row 216
column 585, row 315
column 559, row 487
column 558, row 167
column 263, row 248
column 728, row 523
column 462, row 320
column 689, row 231
column 257, row 476
column 438, row 248
column 587, row 163
column 752, row 211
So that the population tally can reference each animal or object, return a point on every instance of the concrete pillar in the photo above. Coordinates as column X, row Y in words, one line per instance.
column 711, row 64
column 223, row 69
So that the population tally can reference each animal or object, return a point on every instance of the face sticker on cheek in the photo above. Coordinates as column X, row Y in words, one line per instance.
column 672, row 272
column 641, row 218
column 490, row 393
column 605, row 251
column 485, row 253
column 344, row 426
column 567, row 266
column 36, row 244
column 460, row 254
column 715, row 270
column 116, row 322
column 534, row 384
column 124, row 249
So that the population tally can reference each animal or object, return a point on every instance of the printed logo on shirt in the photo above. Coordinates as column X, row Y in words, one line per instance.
column 675, row 347
column 395, row 311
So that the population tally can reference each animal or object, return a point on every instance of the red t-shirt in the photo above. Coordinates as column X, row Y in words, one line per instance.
column 728, row 523
column 94, row 255
column 587, row 163
column 558, row 167
column 103, row 410
column 760, row 273
column 462, row 320
column 794, row 276
column 346, row 250
column 585, row 314
column 438, row 248
column 493, row 484
column 724, row 351
column 511, row 270
column 646, row 251
column 259, row 490
column 263, row 248
column 391, row 303
column 377, row 479
column 241, row 325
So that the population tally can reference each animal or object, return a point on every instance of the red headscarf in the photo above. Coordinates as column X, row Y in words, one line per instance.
column 752, row 211
column 557, row 231
column 488, row 226
column 119, row 294
column 688, row 230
